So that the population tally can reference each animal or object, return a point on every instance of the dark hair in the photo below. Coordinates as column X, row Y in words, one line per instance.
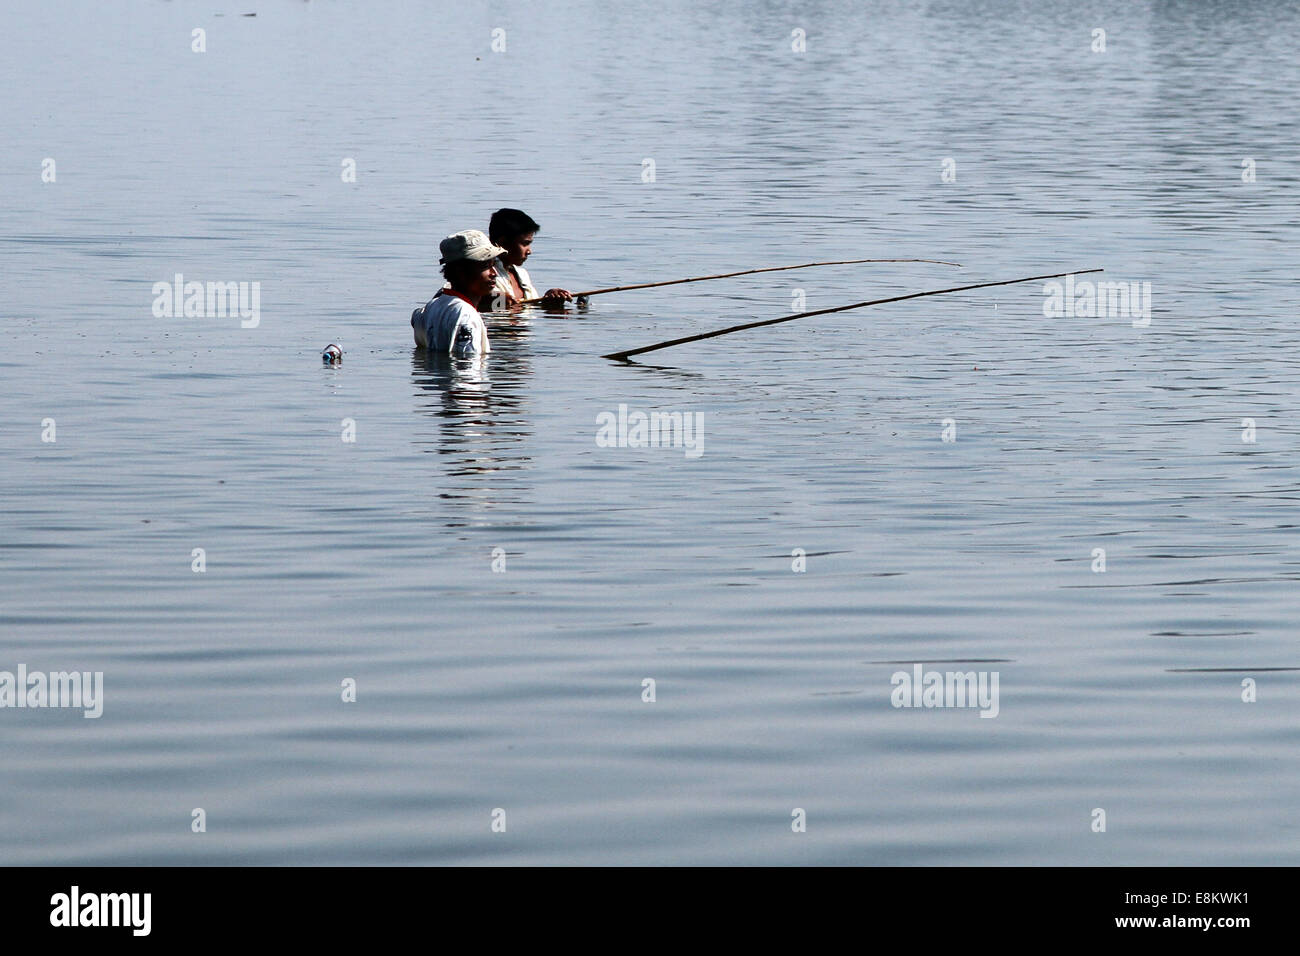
column 508, row 223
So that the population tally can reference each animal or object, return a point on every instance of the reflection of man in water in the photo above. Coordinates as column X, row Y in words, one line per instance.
column 479, row 429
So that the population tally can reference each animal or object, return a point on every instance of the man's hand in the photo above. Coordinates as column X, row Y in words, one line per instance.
column 557, row 296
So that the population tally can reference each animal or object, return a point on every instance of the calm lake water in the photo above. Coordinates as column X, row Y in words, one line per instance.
column 521, row 690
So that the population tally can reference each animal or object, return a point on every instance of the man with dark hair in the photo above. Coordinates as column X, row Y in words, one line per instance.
column 449, row 323
column 513, row 230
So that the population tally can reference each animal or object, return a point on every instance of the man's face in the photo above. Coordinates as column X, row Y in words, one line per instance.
column 518, row 248
column 482, row 277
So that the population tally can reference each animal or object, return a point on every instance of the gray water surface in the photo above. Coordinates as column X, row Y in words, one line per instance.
column 521, row 690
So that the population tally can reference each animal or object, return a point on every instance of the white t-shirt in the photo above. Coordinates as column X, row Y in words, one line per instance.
column 450, row 326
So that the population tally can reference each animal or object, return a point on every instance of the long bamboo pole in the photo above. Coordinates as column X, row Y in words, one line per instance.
column 743, row 272
column 624, row 356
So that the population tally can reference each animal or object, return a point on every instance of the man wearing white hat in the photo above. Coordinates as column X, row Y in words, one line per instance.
column 449, row 323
